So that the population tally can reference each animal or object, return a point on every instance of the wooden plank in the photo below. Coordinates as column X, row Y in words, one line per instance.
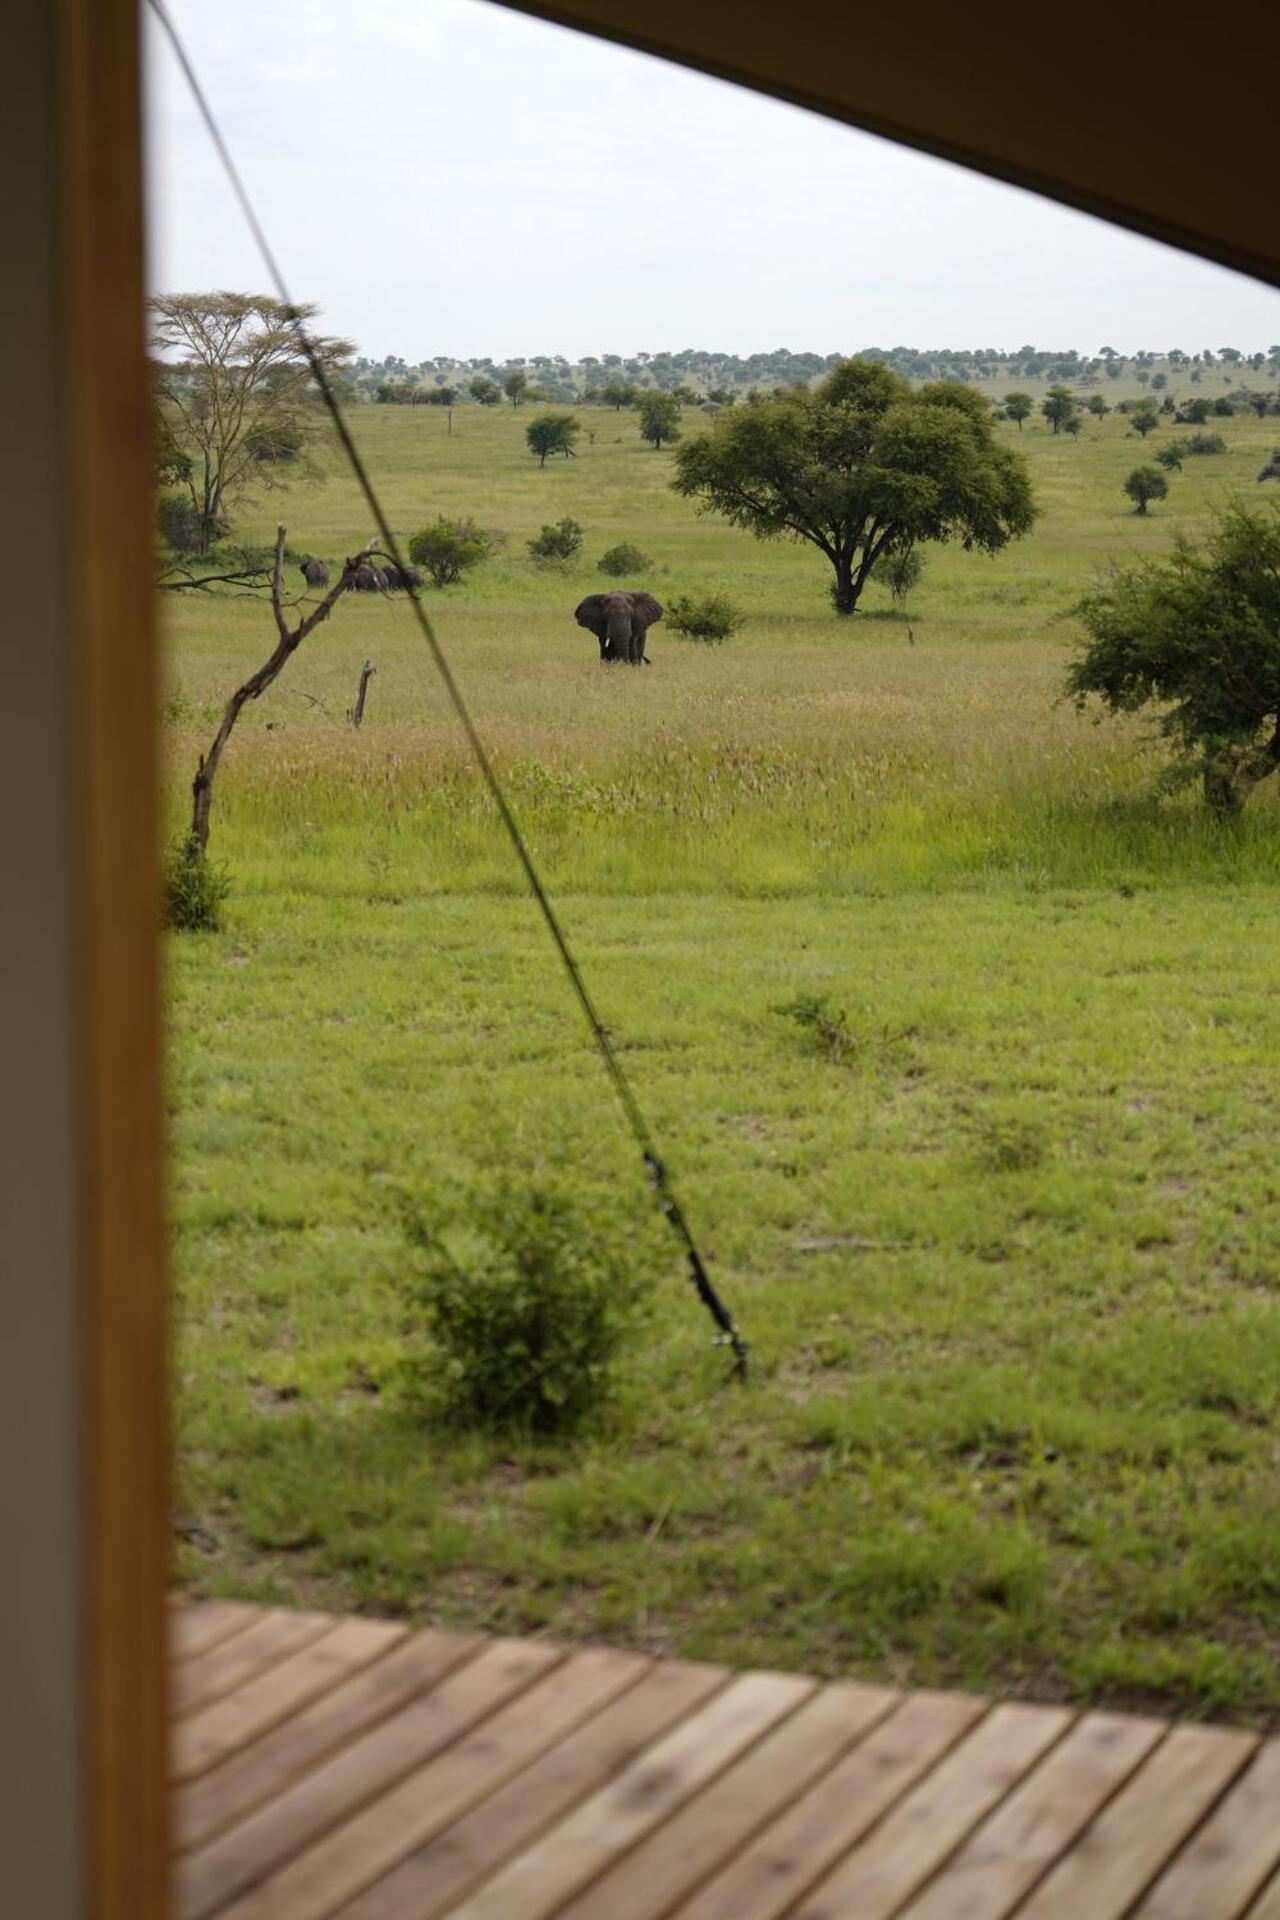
column 232, row 1789
column 933, row 1820
column 1267, row 1906
column 697, row 1840
column 260, row 1844
column 792, row 1854
column 207, row 1737
column 574, row 1853
column 1136, row 1835
column 348, row 1857
column 101, row 439
column 273, row 1636
column 194, row 1630
column 1231, row 1857
column 1039, row 1820
column 436, row 1876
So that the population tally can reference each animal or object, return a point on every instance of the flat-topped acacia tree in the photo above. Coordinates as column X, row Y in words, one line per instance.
column 860, row 464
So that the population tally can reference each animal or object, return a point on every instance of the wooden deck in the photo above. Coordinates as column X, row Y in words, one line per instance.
column 349, row 1769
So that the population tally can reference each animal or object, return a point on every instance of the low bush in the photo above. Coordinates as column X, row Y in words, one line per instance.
column 449, row 549
column 709, row 616
column 1206, row 443
column 559, row 540
column 527, row 1293
column 623, row 559
column 194, row 889
column 900, row 569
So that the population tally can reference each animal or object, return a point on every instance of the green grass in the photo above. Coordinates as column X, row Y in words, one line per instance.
column 1005, row 1252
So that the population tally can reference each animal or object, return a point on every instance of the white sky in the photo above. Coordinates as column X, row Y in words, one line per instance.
column 445, row 177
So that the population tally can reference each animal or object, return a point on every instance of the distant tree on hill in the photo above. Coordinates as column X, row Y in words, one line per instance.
column 515, row 386
column 1018, row 406
column 1196, row 412
column 618, row 394
column 659, row 418
column 552, row 433
column 1197, row 634
column 1058, row 406
column 1073, row 424
column 1097, row 406
column 1144, row 417
column 859, row 464
column 1144, row 485
column 483, row 390
column 236, row 395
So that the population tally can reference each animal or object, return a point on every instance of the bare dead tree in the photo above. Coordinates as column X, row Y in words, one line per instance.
column 290, row 639
column 356, row 714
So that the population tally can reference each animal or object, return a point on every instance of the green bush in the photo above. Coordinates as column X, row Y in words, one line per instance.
column 623, row 559
column 449, row 549
column 1206, row 443
column 194, row 889
column 900, row 569
column 528, row 1293
column 710, row 616
column 560, row 540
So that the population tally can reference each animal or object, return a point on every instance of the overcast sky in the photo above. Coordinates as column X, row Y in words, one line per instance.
column 445, row 177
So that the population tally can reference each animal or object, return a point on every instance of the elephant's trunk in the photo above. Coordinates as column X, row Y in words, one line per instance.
column 618, row 633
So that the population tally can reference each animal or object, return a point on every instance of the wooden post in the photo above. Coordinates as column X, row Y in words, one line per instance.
column 356, row 714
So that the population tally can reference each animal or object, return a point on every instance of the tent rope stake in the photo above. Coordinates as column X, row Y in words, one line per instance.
column 668, row 1205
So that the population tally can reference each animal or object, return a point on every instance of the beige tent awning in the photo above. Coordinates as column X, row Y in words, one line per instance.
column 1161, row 121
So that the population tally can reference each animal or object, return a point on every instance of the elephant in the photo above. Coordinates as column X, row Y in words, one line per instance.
column 619, row 621
column 314, row 572
column 411, row 577
column 391, row 577
column 368, row 579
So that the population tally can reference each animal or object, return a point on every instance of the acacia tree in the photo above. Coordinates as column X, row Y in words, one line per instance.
column 1017, row 406
column 1144, row 485
column 552, row 433
column 237, row 396
column 659, row 418
column 1058, row 406
column 860, row 464
column 1197, row 632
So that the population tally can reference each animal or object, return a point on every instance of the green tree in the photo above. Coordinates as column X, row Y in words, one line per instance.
column 484, row 391
column 859, row 464
column 1144, row 417
column 1197, row 633
column 1144, row 485
column 515, row 386
column 617, row 394
column 1097, row 406
column 557, row 540
column 1058, row 406
column 1172, row 454
column 659, row 418
column 449, row 549
column 900, row 569
column 1196, row 412
column 236, row 395
column 1017, row 406
column 552, row 433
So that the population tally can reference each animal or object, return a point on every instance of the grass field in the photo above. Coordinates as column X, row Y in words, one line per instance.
column 1008, row 1264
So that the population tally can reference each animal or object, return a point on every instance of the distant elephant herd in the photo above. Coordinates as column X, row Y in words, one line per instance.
column 368, row 579
column 620, row 621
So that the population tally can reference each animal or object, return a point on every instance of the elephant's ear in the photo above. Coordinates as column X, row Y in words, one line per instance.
column 646, row 606
column 590, row 613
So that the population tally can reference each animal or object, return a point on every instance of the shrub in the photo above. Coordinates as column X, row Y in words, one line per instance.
column 710, row 616
column 1206, row 443
column 528, row 1295
column 552, row 433
column 194, row 889
column 1172, row 455
column 624, row 558
column 900, row 569
column 560, row 540
column 449, row 549
column 180, row 524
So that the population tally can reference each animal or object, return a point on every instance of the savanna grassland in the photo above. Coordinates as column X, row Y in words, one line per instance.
column 1001, row 1229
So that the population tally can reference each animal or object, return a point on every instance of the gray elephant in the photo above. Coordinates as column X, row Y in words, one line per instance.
column 391, row 577
column 411, row 577
column 368, row 579
column 619, row 622
column 314, row 572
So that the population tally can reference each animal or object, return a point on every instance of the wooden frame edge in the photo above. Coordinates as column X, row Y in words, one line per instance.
column 123, row 1319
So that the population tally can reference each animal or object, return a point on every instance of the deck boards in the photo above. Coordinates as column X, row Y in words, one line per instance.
column 331, row 1769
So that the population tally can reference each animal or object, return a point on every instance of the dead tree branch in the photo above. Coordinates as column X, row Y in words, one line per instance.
column 356, row 714
column 290, row 639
